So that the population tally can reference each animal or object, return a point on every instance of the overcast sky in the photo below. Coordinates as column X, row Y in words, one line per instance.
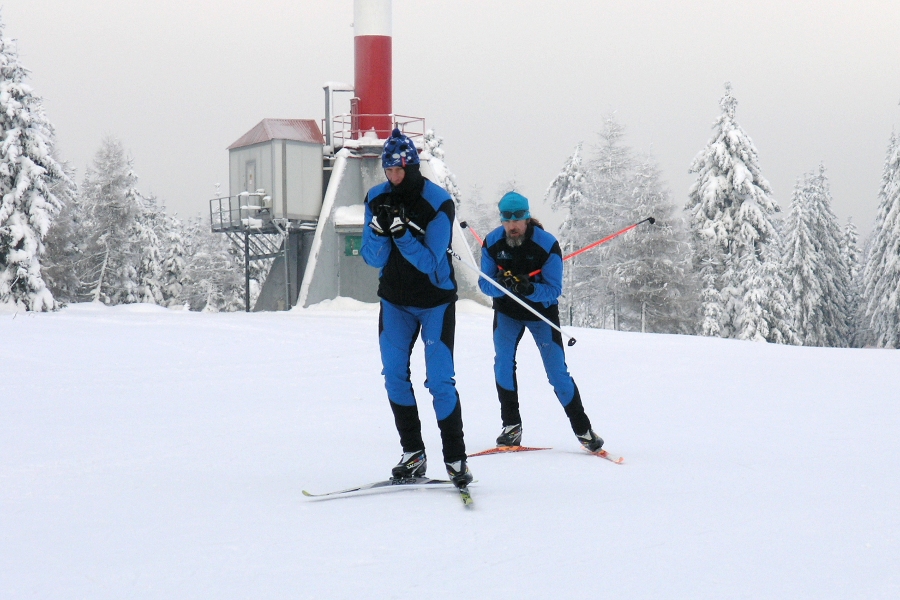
column 512, row 86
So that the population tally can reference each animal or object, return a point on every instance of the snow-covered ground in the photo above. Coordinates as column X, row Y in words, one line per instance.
column 151, row 453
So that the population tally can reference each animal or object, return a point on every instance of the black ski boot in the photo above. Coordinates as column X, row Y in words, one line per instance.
column 459, row 473
column 412, row 464
column 510, row 436
column 591, row 441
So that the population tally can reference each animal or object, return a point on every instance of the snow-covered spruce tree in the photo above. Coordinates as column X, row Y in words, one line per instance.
column 480, row 216
column 567, row 192
column 433, row 145
column 865, row 335
column 765, row 301
column 881, row 279
column 213, row 279
column 173, row 267
column 712, row 307
column 31, row 181
column 595, row 207
column 850, row 249
column 731, row 208
column 63, row 251
column 121, row 247
column 819, row 279
column 649, row 269
column 638, row 282
column 850, row 255
column 149, row 235
column 567, row 189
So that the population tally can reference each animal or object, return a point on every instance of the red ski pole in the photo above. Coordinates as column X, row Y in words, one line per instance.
column 650, row 220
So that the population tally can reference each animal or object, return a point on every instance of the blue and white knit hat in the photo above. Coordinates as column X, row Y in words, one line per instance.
column 399, row 151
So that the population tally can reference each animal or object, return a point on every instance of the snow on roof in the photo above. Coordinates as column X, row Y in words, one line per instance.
column 299, row 130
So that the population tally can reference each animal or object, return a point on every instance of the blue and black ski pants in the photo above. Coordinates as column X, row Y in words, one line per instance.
column 508, row 333
column 398, row 328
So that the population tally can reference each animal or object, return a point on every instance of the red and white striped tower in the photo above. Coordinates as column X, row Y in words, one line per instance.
column 373, row 68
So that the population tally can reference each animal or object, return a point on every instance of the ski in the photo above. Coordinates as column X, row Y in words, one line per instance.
column 611, row 457
column 465, row 496
column 504, row 449
column 388, row 484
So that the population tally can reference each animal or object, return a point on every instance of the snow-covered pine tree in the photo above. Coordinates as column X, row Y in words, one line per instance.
column 480, row 216
column 765, row 314
column 213, row 279
column 433, row 145
column 865, row 335
column 881, row 279
column 638, row 282
column 712, row 306
column 819, row 279
column 731, row 208
column 595, row 204
column 117, row 231
column 567, row 188
column 149, row 236
column 850, row 255
column 567, row 192
column 174, row 266
column 850, row 248
column 650, row 269
column 31, row 182
column 63, row 245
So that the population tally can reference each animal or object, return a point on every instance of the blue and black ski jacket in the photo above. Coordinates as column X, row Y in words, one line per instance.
column 539, row 250
column 415, row 268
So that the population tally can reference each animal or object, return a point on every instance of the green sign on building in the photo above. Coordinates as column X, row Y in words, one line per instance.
column 352, row 245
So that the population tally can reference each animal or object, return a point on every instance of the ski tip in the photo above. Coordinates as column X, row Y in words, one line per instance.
column 610, row 457
column 307, row 494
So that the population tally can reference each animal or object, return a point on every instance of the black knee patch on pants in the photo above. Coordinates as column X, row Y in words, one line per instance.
column 452, row 435
column 509, row 406
column 406, row 418
column 575, row 411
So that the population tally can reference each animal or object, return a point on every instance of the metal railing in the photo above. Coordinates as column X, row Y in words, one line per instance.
column 255, row 232
column 246, row 211
column 345, row 127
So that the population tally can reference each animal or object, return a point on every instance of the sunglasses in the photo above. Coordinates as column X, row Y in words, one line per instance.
column 517, row 215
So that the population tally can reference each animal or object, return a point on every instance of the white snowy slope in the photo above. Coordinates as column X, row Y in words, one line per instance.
column 150, row 453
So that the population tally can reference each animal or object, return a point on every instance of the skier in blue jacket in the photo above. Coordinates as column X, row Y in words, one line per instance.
column 409, row 227
column 509, row 254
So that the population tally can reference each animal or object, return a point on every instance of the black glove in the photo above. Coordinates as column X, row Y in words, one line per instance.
column 506, row 279
column 517, row 284
column 523, row 287
column 382, row 219
column 378, row 225
column 398, row 226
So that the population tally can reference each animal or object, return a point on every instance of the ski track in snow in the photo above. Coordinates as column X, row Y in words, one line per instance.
column 152, row 453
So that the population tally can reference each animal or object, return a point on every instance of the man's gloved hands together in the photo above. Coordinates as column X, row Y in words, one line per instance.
column 518, row 284
column 388, row 220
